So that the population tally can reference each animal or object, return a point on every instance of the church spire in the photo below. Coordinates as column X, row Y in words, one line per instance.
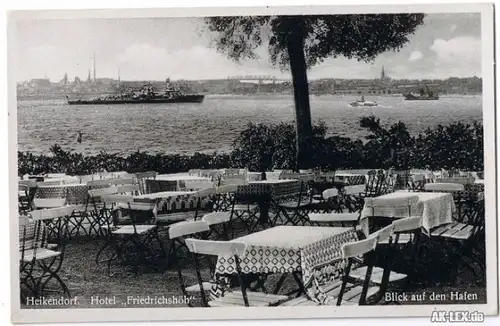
column 382, row 74
column 94, row 69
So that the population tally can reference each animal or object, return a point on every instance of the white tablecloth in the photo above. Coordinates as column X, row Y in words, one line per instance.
column 435, row 208
column 179, row 177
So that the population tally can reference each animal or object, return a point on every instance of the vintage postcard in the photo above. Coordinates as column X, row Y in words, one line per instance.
column 229, row 163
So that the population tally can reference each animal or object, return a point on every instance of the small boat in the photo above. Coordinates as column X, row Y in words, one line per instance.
column 425, row 95
column 362, row 102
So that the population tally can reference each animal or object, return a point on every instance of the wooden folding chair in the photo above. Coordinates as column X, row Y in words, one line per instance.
column 465, row 240
column 242, row 298
column 178, row 232
column 139, row 231
column 352, row 289
column 389, row 239
column 294, row 211
column 375, row 183
column 333, row 213
column 142, row 177
column 25, row 198
column 39, row 262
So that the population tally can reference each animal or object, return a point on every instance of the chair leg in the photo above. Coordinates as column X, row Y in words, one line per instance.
column 107, row 244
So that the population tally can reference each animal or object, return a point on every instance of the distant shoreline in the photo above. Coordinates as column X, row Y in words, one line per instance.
column 226, row 95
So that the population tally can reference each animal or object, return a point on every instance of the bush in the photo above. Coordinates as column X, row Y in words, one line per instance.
column 265, row 147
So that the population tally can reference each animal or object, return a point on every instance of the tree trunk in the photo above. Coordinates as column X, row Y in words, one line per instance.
column 301, row 96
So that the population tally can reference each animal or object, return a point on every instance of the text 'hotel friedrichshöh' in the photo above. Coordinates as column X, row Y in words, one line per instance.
column 112, row 301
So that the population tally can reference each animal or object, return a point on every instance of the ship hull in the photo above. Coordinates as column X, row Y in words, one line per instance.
column 421, row 98
column 179, row 99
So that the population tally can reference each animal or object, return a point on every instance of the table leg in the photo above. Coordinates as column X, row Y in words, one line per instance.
column 264, row 212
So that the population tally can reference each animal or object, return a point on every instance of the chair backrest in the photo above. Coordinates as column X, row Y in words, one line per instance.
column 132, row 188
column 123, row 181
column 354, row 190
column 234, row 181
column 275, row 175
column 146, row 175
column 52, row 213
column 330, row 193
column 461, row 180
column 407, row 224
column 98, row 183
column 48, row 182
column 225, row 189
column 403, row 201
column 204, row 192
column 382, row 234
column 444, row 187
column 142, row 206
column 56, row 175
column 418, row 177
column 182, row 229
column 116, row 198
column 235, row 172
column 49, row 202
column 93, row 193
column 358, row 248
column 32, row 235
column 194, row 172
column 289, row 175
column 216, row 248
column 211, row 174
column 28, row 183
column 196, row 184
column 356, row 180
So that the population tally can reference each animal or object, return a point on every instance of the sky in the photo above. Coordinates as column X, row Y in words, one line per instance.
column 446, row 45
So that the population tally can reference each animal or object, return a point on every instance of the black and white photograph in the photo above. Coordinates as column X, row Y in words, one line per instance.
column 290, row 160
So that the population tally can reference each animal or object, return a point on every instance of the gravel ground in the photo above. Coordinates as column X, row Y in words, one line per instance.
column 89, row 283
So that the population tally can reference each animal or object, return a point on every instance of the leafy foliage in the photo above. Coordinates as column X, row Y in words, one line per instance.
column 266, row 147
column 361, row 37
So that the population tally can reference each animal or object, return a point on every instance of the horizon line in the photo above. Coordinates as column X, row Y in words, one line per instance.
column 276, row 78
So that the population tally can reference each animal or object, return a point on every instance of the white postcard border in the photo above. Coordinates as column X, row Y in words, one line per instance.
column 157, row 314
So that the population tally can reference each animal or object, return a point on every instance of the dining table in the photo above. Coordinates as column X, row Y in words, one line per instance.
column 170, row 202
column 435, row 208
column 300, row 251
column 268, row 192
column 75, row 193
column 185, row 181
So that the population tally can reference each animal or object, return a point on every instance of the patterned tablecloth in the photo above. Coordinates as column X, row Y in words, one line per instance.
column 287, row 249
column 272, row 189
column 351, row 178
column 461, row 180
column 172, row 201
column 186, row 181
column 160, row 185
column 435, row 208
column 75, row 194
